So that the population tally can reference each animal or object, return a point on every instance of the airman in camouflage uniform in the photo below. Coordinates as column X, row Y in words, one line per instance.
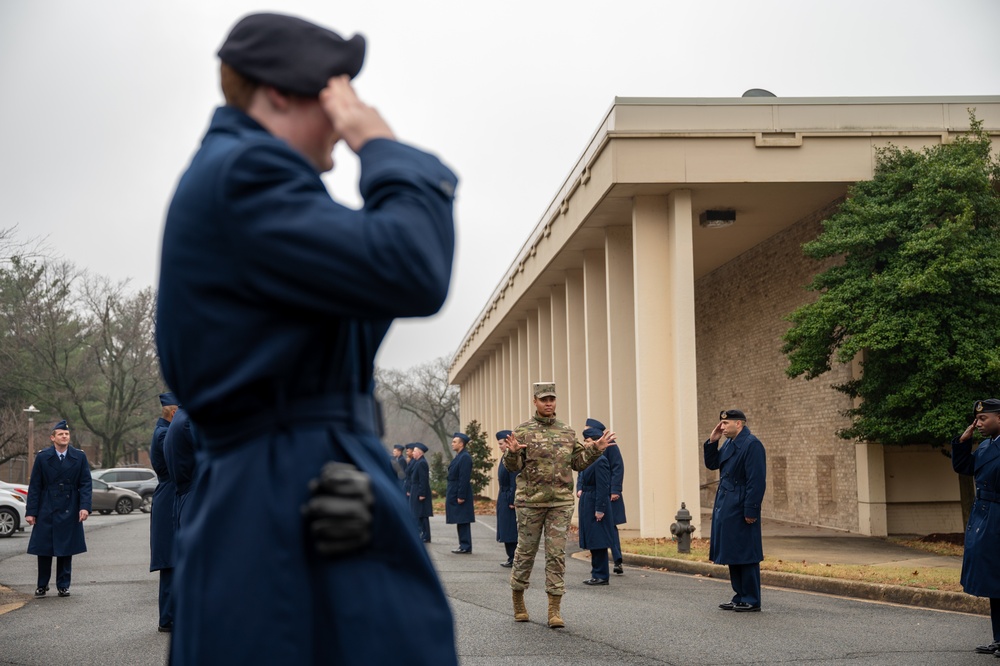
column 545, row 452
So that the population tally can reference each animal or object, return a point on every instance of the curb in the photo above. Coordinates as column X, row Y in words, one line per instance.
column 894, row 594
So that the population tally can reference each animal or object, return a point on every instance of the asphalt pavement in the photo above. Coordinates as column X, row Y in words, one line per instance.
column 643, row 617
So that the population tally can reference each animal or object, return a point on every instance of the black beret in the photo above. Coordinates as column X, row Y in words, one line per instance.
column 290, row 53
column 732, row 415
column 989, row 405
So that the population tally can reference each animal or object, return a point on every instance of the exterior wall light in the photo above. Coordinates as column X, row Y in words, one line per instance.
column 716, row 219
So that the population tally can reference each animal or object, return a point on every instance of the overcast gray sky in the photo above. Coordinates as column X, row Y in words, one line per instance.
column 104, row 101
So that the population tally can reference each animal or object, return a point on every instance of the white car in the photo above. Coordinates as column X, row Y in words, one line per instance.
column 19, row 488
column 12, row 507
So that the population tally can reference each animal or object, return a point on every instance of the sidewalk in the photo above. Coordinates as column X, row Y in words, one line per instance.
column 792, row 542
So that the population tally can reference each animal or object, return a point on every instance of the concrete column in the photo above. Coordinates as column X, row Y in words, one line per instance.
column 510, row 368
column 572, row 403
column 560, row 341
column 870, row 460
column 533, row 375
column 544, row 339
column 666, row 375
column 524, row 386
column 595, row 292
column 621, row 361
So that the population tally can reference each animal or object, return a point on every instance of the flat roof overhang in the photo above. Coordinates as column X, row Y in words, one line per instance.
column 772, row 160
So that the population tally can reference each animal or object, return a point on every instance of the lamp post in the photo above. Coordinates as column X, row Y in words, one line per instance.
column 31, row 427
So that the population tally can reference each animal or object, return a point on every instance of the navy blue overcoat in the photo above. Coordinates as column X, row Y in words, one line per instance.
column 57, row 492
column 595, row 482
column 273, row 301
column 459, row 487
column 161, row 520
column 743, row 467
column 179, row 449
column 981, row 560
column 506, row 515
column 614, row 456
column 420, row 486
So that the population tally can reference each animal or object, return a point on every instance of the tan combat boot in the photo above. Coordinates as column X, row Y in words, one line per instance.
column 555, row 621
column 520, row 611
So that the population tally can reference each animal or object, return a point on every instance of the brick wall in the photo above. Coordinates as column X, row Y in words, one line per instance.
column 740, row 310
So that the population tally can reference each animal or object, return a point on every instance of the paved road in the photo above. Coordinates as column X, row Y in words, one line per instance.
column 642, row 618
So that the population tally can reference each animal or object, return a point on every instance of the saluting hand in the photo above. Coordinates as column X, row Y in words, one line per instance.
column 968, row 432
column 354, row 120
column 716, row 433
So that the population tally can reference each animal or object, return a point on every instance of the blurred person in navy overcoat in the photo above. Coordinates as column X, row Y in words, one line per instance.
column 421, row 502
column 981, row 559
column 736, row 536
column 161, row 519
column 617, row 464
column 596, row 522
column 459, row 507
column 506, row 514
column 60, row 491
column 273, row 300
column 179, row 450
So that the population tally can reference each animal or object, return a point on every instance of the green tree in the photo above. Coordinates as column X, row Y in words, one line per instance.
column 916, row 296
column 439, row 475
column 482, row 457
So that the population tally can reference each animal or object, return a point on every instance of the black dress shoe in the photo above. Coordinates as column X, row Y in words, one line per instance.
column 619, row 569
column 165, row 628
column 981, row 649
column 63, row 591
column 729, row 605
column 40, row 592
column 508, row 564
column 459, row 551
column 745, row 608
column 596, row 581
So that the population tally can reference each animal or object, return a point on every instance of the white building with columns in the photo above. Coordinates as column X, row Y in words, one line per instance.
column 652, row 310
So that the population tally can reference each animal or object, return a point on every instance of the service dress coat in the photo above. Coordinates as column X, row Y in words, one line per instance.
column 57, row 492
column 420, row 486
column 981, row 559
column 743, row 466
column 161, row 519
column 273, row 300
column 459, row 488
column 595, row 484
column 614, row 456
column 506, row 514
column 179, row 449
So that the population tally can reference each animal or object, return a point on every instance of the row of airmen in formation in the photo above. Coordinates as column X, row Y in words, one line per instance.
column 598, row 488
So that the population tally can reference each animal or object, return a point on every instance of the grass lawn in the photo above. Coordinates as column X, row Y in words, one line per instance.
column 931, row 578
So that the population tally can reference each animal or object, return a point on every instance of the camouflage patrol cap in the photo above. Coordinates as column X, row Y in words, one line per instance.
column 543, row 389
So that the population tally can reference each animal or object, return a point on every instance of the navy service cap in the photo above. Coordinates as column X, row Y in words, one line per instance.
column 422, row 447
column 988, row 405
column 732, row 415
column 62, row 425
column 592, row 433
column 168, row 400
column 461, row 436
column 503, row 434
column 398, row 447
column 290, row 53
column 594, row 423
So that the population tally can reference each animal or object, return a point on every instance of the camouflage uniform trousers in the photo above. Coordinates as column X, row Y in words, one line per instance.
column 532, row 522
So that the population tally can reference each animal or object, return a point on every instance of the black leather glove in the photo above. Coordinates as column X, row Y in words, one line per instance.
column 338, row 514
